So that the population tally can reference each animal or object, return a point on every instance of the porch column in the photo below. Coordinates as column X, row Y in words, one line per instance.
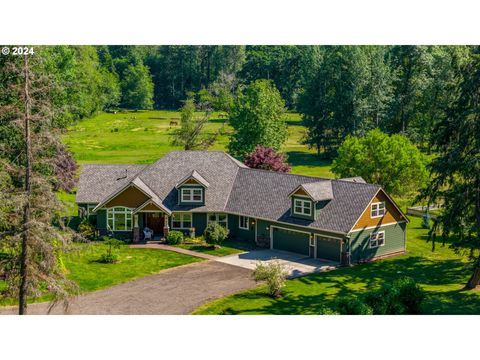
column 136, row 229
column 166, row 228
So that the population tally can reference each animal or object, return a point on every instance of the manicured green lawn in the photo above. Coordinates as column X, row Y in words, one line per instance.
column 441, row 273
column 229, row 247
column 144, row 136
column 90, row 275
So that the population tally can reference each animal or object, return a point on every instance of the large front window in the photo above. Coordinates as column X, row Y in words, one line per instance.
column 302, row 207
column 119, row 219
column 220, row 219
column 181, row 221
column 192, row 195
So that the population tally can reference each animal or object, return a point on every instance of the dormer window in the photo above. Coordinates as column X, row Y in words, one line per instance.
column 302, row 207
column 191, row 195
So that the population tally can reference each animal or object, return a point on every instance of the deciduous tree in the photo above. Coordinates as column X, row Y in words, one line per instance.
column 258, row 118
column 390, row 161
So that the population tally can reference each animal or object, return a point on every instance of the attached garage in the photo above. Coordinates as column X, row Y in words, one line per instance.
column 328, row 248
column 290, row 240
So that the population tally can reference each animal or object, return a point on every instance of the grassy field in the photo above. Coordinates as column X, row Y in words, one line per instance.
column 144, row 136
column 83, row 267
column 441, row 273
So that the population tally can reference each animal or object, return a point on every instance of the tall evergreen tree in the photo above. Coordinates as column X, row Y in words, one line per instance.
column 30, row 244
column 456, row 171
column 348, row 94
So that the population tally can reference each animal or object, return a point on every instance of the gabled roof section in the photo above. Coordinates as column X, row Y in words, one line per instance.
column 99, row 181
column 140, row 185
column 154, row 201
column 194, row 175
column 317, row 191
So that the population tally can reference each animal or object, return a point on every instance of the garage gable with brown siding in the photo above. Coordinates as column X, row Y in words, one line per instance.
column 392, row 213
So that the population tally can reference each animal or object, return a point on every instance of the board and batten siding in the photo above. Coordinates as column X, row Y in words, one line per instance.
column 131, row 197
column 395, row 242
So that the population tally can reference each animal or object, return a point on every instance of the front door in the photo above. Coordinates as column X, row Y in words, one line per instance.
column 154, row 221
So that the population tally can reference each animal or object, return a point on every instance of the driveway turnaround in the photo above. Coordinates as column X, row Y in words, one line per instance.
column 296, row 264
column 178, row 290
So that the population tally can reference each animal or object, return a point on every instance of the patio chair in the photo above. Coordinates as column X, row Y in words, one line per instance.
column 148, row 234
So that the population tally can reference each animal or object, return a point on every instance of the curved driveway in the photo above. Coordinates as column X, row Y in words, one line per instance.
column 179, row 290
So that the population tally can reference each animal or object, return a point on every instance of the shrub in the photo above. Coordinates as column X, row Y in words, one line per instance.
column 410, row 294
column 86, row 229
column 274, row 274
column 174, row 237
column 353, row 306
column 403, row 296
column 109, row 257
column 215, row 234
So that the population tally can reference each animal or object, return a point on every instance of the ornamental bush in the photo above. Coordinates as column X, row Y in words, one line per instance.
column 403, row 296
column 274, row 274
column 174, row 237
column 353, row 306
column 86, row 229
column 215, row 234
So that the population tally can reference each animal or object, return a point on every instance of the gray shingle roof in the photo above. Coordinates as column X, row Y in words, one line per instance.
column 233, row 187
column 259, row 193
column 320, row 190
column 100, row 181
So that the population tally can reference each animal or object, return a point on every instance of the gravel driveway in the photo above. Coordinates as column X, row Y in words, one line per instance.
column 179, row 290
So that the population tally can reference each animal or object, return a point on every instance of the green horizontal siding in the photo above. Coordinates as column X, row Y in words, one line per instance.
column 241, row 234
column 394, row 242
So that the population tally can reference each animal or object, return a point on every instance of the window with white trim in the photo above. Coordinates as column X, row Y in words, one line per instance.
column 119, row 219
column 377, row 239
column 302, row 207
column 191, row 195
column 90, row 208
column 377, row 209
column 219, row 218
column 181, row 221
column 243, row 222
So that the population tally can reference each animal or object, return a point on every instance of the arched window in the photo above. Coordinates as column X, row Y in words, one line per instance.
column 119, row 219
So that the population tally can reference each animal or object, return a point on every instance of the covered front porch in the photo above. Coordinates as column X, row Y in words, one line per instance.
column 150, row 223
